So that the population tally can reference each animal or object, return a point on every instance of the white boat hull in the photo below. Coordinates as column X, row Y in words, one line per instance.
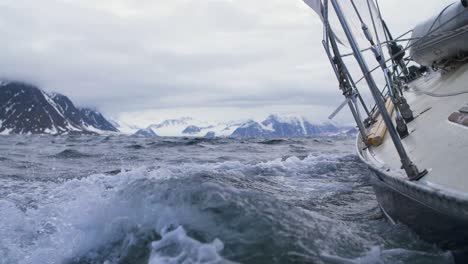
column 435, row 216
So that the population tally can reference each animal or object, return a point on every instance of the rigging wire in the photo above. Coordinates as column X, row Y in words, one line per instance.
column 382, row 44
column 417, row 40
column 431, row 93
column 408, row 46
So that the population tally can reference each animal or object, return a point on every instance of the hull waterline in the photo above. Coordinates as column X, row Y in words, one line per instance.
column 446, row 230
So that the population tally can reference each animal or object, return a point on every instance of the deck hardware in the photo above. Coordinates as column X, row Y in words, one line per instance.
column 393, row 86
column 402, row 128
column 405, row 110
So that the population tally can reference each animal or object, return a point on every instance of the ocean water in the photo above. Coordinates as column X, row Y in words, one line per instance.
column 84, row 199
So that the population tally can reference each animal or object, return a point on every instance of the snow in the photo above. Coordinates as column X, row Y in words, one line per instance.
column 6, row 132
column 52, row 103
column 98, row 131
column 126, row 128
column 289, row 118
column 269, row 127
column 53, row 94
column 175, row 127
column 223, row 130
column 52, row 131
column 9, row 106
column 70, row 127
column 93, row 129
column 304, row 130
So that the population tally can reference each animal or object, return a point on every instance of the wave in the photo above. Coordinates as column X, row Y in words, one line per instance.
column 273, row 141
column 189, row 213
column 71, row 154
column 135, row 147
column 109, row 218
column 176, row 142
column 184, row 249
column 166, row 143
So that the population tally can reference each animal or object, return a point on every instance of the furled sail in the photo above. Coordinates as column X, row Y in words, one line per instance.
column 316, row 5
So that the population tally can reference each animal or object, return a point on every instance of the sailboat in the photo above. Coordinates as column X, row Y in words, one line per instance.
column 414, row 132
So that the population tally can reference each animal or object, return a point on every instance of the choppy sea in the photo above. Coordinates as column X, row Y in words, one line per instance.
column 118, row 199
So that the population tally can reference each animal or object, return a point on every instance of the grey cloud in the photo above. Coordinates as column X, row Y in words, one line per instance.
column 124, row 55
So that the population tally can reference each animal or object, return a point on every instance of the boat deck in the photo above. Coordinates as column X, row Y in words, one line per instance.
column 434, row 143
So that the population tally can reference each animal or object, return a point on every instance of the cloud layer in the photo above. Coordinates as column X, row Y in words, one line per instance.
column 125, row 55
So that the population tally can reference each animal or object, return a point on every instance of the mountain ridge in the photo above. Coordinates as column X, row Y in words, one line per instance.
column 273, row 126
column 27, row 109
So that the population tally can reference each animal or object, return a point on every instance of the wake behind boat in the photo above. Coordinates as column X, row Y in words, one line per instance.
column 414, row 133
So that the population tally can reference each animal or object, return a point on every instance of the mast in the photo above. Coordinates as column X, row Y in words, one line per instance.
column 411, row 170
column 342, row 74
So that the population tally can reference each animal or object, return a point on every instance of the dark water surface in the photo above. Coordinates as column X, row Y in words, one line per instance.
column 133, row 200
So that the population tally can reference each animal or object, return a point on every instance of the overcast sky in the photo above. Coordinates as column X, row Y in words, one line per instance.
column 147, row 60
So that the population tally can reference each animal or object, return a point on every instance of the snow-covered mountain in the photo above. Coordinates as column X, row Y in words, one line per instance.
column 274, row 126
column 171, row 127
column 277, row 126
column 189, row 127
column 26, row 109
column 94, row 119
column 89, row 119
column 252, row 129
column 124, row 127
